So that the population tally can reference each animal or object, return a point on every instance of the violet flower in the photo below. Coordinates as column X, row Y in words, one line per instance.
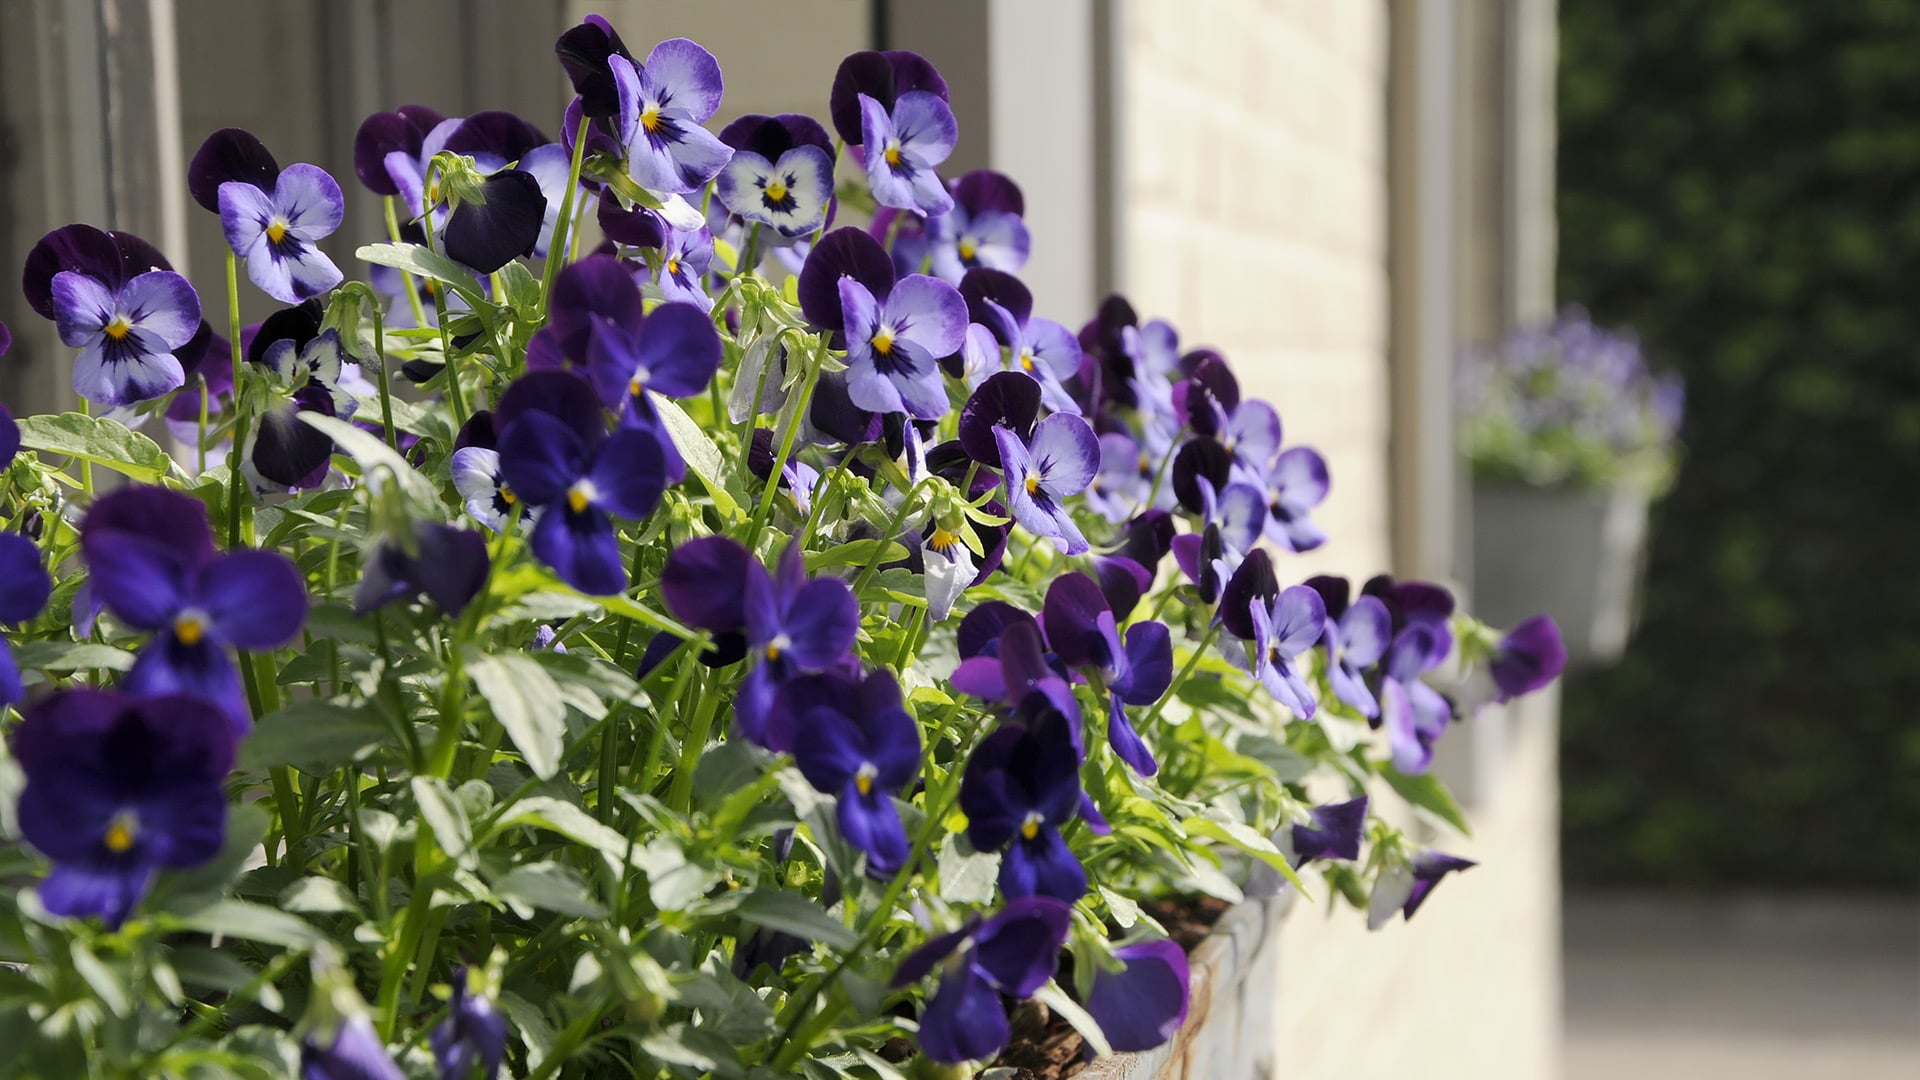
column 1142, row 1006
column 781, row 173
column 24, row 582
column 1081, row 631
column 985, row 229
column 1020, row 786
column 355, row 1053
column 151, row 561
column 1414, row 714
column 556, row 455
column 127, row 335
column 483, row 488
column 308, row 371
column 663, row 102
column 685, row 258
column 502, row 224
column 1014, row 952
column 904, row 144
column 1296, row 483
column 1529, row 657
column 895, row 331
column 274, row 218
column 1042, row 473
column 1332, row 831
column 1284, row 628
column 1402, row 889
column 448, row 565
column 882, row 76
column 118, row 788
column 853, row 739
column 1043, row 349
column 791, row 625
column 474, row 1033
column 1357, row 635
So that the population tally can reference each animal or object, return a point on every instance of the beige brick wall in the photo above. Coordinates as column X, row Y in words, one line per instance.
column 1254, row 137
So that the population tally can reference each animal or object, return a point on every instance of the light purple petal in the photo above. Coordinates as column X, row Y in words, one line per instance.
column 82, row 306
column 162, row 303
column 924, row 124
column 1254, row 432
column 929, row 312
column 1299, row 616
column 686, row 76
column 245, row 211
column 311, row 201
column 1066, row 454
column 1365, row 630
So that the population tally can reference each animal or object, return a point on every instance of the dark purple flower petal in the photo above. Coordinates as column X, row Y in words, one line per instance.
column 495, row 132
column 1143, row 1006
column 638, row 227
column 354, row 1054
column 167, row 665
column 1079, row 627
column 1126, row 742
column 1333, row 590
column 581, row 548
column 984, row 191
column 1149, row 663
column 1123, row 581
column 380, row 134
column 680, row 350
column 1200, row 459
column 562, row 396
column 24, row 582
column 598, row 285
column 9, row 431
column 1334, row 831
column 982, row 287
column 982, row 627
column 1428, row 868
column 488, row 235
column 474, row 1033
column 1529, row 657
column 231, row 154
column 629, row 474
column 1148, row 538
column 1253, row 583
column 883, row 76
column 705, row 583
column 964, row 1020
column 1019, row 948
column 1208, row 398
column 583, row 52
column 299, row 324
column 477, row 431
column 1042, row 866
column 143, row 580
column 113, row 258
column 1007, row 399
column 252, row 599
column 842, row 253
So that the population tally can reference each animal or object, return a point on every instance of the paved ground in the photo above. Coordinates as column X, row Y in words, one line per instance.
column 1753, row 989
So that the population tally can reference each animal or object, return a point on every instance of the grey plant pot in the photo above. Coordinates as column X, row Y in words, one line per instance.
column 1575, row 553
column 1235, row 977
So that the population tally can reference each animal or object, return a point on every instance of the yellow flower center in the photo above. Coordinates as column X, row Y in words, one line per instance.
column 863, row 780
column 1033, row 485
column 673, row 266
column 967, row 250
column 1026, row 360
column 650, row 119
column 507, row 496
column 122, row 831
column 276, row 232
column 776, row 189
column 119, row 328
column 1030, row 828
column 883, row 342
column 942, row 540
column 581, row 495
column 893, row 155
column 189, row 628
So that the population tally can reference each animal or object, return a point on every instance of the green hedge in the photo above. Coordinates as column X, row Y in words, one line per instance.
column 1740, row 180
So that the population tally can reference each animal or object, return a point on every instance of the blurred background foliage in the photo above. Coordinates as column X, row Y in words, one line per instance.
column 1740, row 181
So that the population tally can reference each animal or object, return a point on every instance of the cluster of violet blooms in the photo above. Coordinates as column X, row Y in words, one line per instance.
column 924, row 308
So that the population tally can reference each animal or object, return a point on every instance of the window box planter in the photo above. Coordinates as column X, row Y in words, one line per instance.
column 1576, row 553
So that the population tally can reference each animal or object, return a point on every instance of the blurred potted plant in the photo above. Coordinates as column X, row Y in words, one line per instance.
column 1571, row 435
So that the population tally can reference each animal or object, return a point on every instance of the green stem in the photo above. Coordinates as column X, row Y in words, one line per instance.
column 746, row 252
column 455, row 397
column 780, row 459
column 239, row 414
column 393, row 974
column 887, row 534
column 557, row 249
column 680, row 796
column 386, row 395
column 406, row 279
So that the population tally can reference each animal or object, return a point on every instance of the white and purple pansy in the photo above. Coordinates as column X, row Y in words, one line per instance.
column 781, row 173
column 1042, row 473
column 127, row 335
column 273, row 217
column 904, row 146
column 663, row 102
column 895, row 332
column 984, row 229
column 1041, row 349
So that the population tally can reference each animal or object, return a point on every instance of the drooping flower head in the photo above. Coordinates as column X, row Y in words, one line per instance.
column 1356, row 637
column 24, row 583
column 557, row 457
column 118, row 788
column 354, row 1053
column 151, row 561
column 1042, row 473
column 1042, row 349
column 853, row 739
column 1529, row 657
column 308, row 371
column 1332, row 831
column 1402, row 889
column 1014, row 952
column 1143, row 1005
column 1081, row 631
column 1020, row 786
column 781, row 173
column 791, row 624
column 662, row 104
column 895, row 332
column 274, row 217
column 446, row 564
column 473, row 1034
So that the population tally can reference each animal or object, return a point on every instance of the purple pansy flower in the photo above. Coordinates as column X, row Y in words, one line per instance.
column 1402, row 889
column 127, row 334
column 781, row 174
column 663, row 102
column 448, row 565
column 883, row 76
column 1332, row 831
column 482, row 487
column 984, row 229
column 1142, row 1006
column 24, row 584
column 474, row 1033
column 1014, row 952
column 118, row 788
column 151, row 561
column 557, row 456
column 355, row 1053
column 790, row 624
column 1021, row 785
column 895, row 332
column 1081, row 631
column 308, row 372
column 685, row 257
column 854, row 740
column 1357, row 635
column 904, row 144
column 1230, row 525
column 273, row 217
column 1042, row 473
column 1414, row 714
column 404, row 131
column 502, row 224
column 1295, row 484
column 1529, row 657
column 1043, row 349
column 1283, row 629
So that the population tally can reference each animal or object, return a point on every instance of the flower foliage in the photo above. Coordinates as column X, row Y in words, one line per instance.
column 747, row 643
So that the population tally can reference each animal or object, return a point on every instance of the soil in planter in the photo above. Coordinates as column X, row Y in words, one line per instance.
column 1045, row 1047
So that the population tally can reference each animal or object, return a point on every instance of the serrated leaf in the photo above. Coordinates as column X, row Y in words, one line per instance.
column 416, row 259
column 528, row 704
column 1428, row 793
column 107, row 443
column 789, row 912
column 549, row 887
column 312, row 736
column 71, row 656
column 967, row 876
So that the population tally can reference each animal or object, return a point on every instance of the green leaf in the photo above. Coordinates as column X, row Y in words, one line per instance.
column 777, row 909
column 1083, row 1022
column 1247, row 839
column 318, row 896
column 857, row 553
column 374, row 455
column 442, row 812
column 522, row 288
column 701, row 455
column 550, row 887
column 101, row 979
column 253, row 922
column 569, row 821
column 106, row 443
column 528, row 704
column 1428, row 793
column 967, row 876
column 312, row 736
column 71, row 656
column 532, row 1025
column 415, row 259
